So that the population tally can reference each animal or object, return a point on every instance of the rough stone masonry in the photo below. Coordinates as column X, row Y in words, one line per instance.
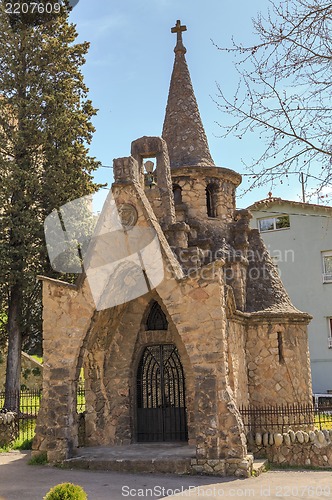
column 221, row 308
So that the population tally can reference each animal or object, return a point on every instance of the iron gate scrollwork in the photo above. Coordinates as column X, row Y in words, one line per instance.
column 161, row 408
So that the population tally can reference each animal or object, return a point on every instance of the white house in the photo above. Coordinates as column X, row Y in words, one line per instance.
column 299, row 238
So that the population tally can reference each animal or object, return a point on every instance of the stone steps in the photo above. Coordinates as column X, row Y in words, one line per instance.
column 135, row 458
column 157, row 458
column 259, row 466
column 164, row 466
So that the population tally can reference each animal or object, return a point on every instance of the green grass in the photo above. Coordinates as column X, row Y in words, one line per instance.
column 17, row 445
column 31, row 404
column 325, row 421
column 22, row 444
column 298, row 467
column 27, row 402
column 38, row 459
column 37, row 358
column 24, row 440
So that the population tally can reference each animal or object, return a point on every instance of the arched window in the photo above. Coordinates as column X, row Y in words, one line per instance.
column 211, row 200
column 177, row 193
column 156, row 318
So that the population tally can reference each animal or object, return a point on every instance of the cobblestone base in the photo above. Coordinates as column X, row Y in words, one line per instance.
column 224, row 467
column 313, row 448
column 8, row 428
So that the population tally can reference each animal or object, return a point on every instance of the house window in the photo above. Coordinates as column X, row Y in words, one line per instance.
column 327, row 267
column 273, row 223
column 330, row 333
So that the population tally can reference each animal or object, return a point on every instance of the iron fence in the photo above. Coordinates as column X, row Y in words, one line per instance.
column 282, row 418
column 29, row 404
column 274, row 418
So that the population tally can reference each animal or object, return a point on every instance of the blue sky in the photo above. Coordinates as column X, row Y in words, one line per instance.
column 129, row 66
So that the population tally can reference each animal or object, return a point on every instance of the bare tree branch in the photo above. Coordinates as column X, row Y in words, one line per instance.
column 284, row 91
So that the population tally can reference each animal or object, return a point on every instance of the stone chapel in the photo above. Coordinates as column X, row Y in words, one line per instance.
column 219, row 331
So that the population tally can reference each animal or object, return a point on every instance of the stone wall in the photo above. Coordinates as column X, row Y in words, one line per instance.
column 225, row 467
column 194, row 181
column 217, row 344
column 237, row 360
column 313, row 448
column 112, row 353
column 110, row 417
column 153, row 195
column 8, row 428
column 278, row 359
column 110, row 342
column 67, row 314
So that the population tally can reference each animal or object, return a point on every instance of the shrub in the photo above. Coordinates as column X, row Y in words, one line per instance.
column 40, row 459
column 23, row 445
column 66, row 491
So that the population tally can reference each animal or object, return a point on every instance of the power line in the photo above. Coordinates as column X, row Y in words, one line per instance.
column 294, row 213
column 283, row 173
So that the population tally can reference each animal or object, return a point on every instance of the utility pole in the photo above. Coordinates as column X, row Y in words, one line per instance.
column 303, row 191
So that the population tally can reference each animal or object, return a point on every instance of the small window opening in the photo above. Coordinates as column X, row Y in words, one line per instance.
column 177, row 193
column 156, row 319
column 280, row 348
column 211, row 200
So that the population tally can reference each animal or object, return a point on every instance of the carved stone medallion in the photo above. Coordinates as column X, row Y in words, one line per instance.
column 128, row 215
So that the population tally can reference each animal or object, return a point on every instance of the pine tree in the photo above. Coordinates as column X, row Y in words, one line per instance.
column 45, row 130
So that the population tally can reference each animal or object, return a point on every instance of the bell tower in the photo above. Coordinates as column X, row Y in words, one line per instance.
column 204, row 194
column 183, row 129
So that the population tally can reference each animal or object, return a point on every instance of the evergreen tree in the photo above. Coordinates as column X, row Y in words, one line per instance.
column 45, row 130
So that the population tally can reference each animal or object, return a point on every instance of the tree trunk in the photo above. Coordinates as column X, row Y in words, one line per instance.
column 13, row 370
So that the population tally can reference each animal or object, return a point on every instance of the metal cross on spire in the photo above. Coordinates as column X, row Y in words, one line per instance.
column 178, row 29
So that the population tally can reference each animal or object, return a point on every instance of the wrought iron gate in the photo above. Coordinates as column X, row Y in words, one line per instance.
column 161, row 408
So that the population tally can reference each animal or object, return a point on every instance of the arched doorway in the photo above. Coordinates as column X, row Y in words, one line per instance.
column 161, row 407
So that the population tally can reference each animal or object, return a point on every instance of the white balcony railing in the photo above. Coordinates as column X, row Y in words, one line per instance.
column 327, row 278
column 330, row 342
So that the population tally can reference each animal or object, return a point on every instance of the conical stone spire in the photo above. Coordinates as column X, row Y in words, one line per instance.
column 183, row 129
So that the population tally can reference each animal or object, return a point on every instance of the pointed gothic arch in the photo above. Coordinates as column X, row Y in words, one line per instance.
column 156, row 319
column 161, row 401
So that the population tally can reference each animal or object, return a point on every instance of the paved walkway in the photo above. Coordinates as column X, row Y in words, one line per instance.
column 19, row 481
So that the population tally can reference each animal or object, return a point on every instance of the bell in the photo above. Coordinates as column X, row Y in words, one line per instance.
column 149, row 180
